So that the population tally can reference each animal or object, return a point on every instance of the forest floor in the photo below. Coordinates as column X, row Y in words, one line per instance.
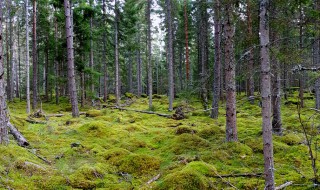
column 114, row 149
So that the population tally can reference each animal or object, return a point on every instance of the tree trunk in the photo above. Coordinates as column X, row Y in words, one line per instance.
column 27, row 59
column 130, row 82
column 149, row 53
column 250, row 71
column 231, row 117
column 3, row 107
column 91, row 55
column 12, row 67
column 8, row 65
column 170, row 55
column 18, row 76
column 34, row 58
column 104, row 56
column 187, row 40
column 47, row 70
column 139, row 65
column 56, row 63
column 301, row 79
column 117, row 78
column 316, row 55
column 71, row 75
column 266, row 97
column 217, row 61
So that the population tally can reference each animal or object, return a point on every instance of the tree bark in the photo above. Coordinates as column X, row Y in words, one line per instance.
column 276, row 97
column 27, row 59
column 316, row 55
column 34, row 58
column 217, row 61
column 266, row 97
column 3, row 107
column 301, row 79
column 18, row 70
column 116, row 49
column 9, row 97
column 12, row 67
column 250, row 71
column 71, row 75
column 231, row 118
column 187, row 40
column 91, row 53
column 150, row 82
column 139, row 65
column 104, row 56
column 46, row 78
column 56, row 63
column 170, row 55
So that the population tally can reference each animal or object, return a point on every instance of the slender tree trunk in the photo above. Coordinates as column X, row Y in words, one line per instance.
column 56, row 63
column 187, row 40
column 150, row 82
column 104, row 56
column 9, row 97
column 34, row 57
column 170, row 55
column 27, row 59
column 12, row 67
column 71, row 75
column 316, row 55
column 130, row 82
column 250, row 79
column 91, row 55
column 117, row 78
column 3, row 107
column 139, row 65
column 82, row 88
column 180, row 67
column 231, row 118
column 266, row 97
column 217, row 61
column 301, row 79
column 47, row 70
column 18, row 93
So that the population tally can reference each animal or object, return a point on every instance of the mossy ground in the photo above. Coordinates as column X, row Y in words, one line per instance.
column 124, row 149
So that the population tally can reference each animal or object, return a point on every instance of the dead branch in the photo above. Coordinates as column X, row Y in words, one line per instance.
column 298, row 68
column 155, row 178
column 17, row 135
column 40, row 157
column 284, row 185
column 55, row 115
column 142, row 111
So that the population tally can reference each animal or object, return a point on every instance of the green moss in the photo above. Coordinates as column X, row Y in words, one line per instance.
column 87, row 177
column 291, row 139
column 139, row 164
column 96, row 128
column 188, row 142
column 184, row 129
column 190, row 177
column 94, row 113
column 115, row 154
column 211, row 132
column 129, row 95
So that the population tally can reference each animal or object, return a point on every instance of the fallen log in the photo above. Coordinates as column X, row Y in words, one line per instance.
column 143, row 111
column 55, row 115
column 40, row 157
column 32, row 121
column 17, row 135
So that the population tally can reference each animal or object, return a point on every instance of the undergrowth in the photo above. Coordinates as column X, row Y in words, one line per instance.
column 113, row 149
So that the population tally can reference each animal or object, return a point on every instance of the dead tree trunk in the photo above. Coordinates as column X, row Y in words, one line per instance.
column 34, row 58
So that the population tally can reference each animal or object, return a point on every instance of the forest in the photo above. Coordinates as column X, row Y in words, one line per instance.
column 159, row 94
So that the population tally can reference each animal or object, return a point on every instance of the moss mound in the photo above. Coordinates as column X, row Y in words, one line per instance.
column 94, row 113
column 183, row 129
column 139, row 164
column 96, row 128
column 188, row 142
column 115, row 154
column 291, row 139
column 210, row 132
column 191, row 177
column 87, row 177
